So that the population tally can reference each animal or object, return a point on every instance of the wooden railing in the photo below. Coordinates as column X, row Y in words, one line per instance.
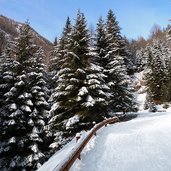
column 77, row 153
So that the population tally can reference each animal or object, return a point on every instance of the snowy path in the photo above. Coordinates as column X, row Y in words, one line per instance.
column 142, row 144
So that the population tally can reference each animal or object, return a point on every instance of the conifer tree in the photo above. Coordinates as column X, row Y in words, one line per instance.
column 6, row 74
column 25, row 104
column 7, row 78
column 79, row 96
column 101, row 43
column 61, row 70
column 55, row 41
column 101, row 56
column 58, row 54
column 118, row 80
column 158, row 75
column 71, row 79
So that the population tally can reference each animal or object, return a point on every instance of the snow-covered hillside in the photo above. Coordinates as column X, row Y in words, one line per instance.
column 9, row 29
column 141, row 144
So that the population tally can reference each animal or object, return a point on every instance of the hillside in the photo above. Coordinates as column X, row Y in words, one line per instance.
column 141, row 144
column 9, row 29
column 142, row 138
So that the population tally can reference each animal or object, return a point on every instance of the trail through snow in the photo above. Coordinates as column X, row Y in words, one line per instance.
column 142, row 144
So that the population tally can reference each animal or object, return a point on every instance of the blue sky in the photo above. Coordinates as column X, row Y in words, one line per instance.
column 136, row 17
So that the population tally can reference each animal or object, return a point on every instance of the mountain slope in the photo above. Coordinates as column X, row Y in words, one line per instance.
column 141, row 144
column 9, row 29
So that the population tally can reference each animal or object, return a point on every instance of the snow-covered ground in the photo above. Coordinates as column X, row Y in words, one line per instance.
column 59, row 158
column 142, row 144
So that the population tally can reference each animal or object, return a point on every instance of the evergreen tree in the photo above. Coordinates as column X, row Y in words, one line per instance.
column 7, row 78
column 58, row 54
column 101, row 59
column 25, row 104
column 79, row 96
column 101, row 43
column 129, row 56
column 158, row 75
column 143, row 58
column 55, row 41
column 53, row 61
column 118, row 80
column 61, row 69
column 6, row 74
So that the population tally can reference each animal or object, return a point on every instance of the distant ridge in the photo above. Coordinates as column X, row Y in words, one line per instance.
column 9, row 29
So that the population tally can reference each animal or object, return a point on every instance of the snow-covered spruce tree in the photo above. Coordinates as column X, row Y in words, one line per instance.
column 168, row 34
column 158, row 75
column 53, row 61
column 78, row 95
column 118, row 80
column 61, row 69
column 143, row 58
column 101, row 43
column 101, row 50
column 82, row 57
column 23, row 121
column 40, row 95
column 55, row 41
column 129, row 56
column 6, row 74
column 6, row 82
column 58, row 53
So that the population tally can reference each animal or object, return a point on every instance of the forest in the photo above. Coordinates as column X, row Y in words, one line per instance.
column 88, row 78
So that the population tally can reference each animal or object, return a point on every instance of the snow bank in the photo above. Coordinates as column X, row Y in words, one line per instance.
column 59, row 158
column 141, row 144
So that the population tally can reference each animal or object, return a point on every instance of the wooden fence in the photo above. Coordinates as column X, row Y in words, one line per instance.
column 77, row 153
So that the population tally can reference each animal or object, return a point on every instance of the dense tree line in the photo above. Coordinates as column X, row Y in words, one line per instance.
column 155, row 60
column 88, row 81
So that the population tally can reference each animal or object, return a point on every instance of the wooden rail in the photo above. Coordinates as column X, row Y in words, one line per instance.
column 77, row 153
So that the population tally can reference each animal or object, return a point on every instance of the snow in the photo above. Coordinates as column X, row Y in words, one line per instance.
column 54, row 107
column 20, row 83
column 74, row 80
column 30, row 122
column 54, row 145
column 27, row 95
column 69, row 87
column 12, row 140
column 90, row 101
column 73, row 120
column 141, row 100
column 95, row 67
column 21, row 96
column 81, row 70
column 13, row 107
column 73, row 54
column 54, row 163
column 93, row 81
column 34, row 148
column 25, row 108
column 141, row 144
column 141, row 93
column 29, row 103
column 82, row 91
column 78, row 135
column 11, row 122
